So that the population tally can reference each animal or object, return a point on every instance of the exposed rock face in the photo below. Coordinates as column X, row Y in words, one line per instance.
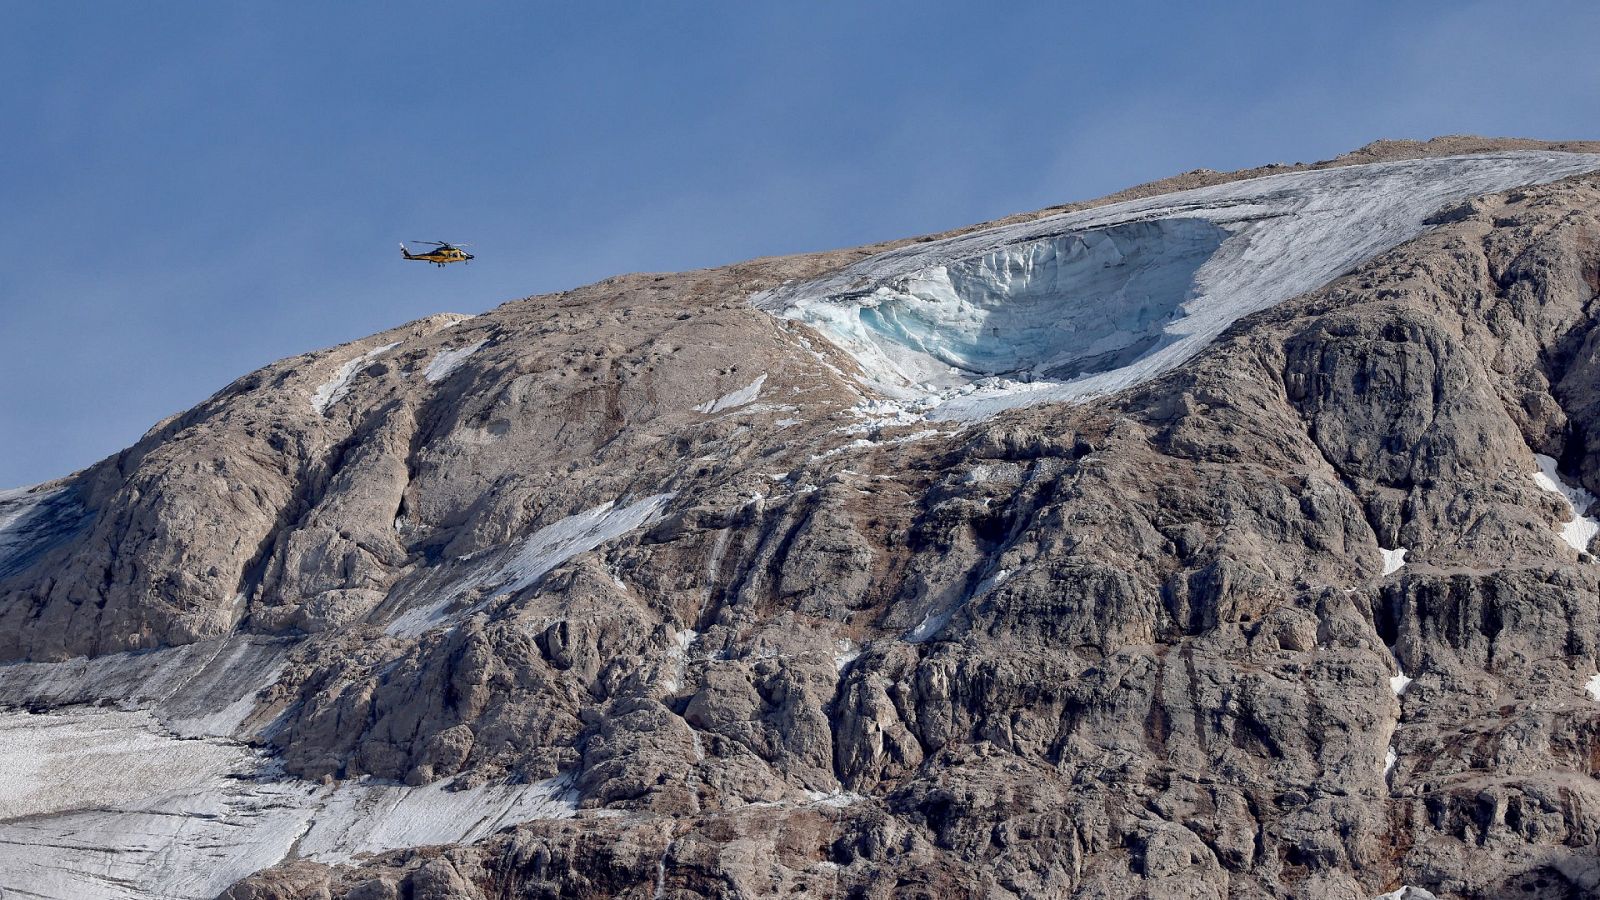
column 641, row 591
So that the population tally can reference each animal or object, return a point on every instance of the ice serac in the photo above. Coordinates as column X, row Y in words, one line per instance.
column 1082, row 304
column 1053, row 308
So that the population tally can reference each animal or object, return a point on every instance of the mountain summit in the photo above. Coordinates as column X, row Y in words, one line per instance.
column 1224, row 538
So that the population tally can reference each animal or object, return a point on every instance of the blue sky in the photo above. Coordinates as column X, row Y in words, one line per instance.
column 194, row 190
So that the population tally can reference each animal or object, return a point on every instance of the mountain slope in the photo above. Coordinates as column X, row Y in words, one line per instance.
column 699, row 600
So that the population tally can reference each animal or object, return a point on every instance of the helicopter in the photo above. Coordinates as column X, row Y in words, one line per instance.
column 441, row 253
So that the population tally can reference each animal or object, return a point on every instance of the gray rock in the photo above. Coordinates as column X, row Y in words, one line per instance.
column 1139, row 647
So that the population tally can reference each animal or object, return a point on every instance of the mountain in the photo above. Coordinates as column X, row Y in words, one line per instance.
column 1225, row 537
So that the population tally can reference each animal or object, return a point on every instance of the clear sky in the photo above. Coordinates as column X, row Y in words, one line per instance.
column 193, row 190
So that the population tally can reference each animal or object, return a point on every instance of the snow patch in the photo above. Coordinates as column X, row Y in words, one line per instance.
column 558, row 542
column 678, row 656
column 543, row 550
column 865, row 443
column 746, row 394
column 1393, row 559
column 17, row 507
column 1407, row 892
column 1592, row 686
column 1078, row 305
column 1389, row 759
column 845, row 652
column 857, row 444
column 1580, row 529
column 448, row 361
column 934, row 620
column 334, row 389
column 987, row 472
column 836, row 799
column 1399, row 683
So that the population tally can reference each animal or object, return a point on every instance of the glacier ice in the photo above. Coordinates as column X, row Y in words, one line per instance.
column 1057, row 307
column 140, row 785
column 1078, row 305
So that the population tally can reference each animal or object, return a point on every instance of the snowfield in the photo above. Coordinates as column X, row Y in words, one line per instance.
column 162, row 798
column 1082, row 304
column 89, row 758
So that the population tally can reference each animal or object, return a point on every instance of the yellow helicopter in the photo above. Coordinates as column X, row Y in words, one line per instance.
column 441, row 254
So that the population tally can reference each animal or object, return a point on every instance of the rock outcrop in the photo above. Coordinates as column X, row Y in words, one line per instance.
column 640, row 590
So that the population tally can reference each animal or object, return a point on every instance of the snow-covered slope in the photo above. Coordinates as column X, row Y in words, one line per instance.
column 143, row 786
column 32, row 520
column 1082, row 304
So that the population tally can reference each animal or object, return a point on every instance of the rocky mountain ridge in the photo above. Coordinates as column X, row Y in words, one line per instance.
column 642, row 590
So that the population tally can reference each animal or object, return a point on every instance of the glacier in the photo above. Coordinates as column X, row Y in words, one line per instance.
column 142, row 781
column 1078, row 305
column 139, row 774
